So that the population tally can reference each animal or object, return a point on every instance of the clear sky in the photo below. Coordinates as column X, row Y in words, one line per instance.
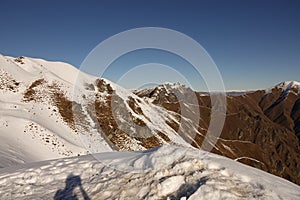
column 255, row 44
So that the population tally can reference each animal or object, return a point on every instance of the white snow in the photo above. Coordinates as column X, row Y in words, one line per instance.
column 170, row 185
column 32, row 131
column 48, row 132
column 186, row 174
column 287, row 87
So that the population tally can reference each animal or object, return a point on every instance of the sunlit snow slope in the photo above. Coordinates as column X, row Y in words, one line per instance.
column 166, row 172
column 50, row 110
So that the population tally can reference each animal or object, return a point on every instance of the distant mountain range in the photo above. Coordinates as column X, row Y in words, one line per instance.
column 51, row 110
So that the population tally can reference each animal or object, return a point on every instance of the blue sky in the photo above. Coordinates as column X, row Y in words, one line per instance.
column 255, row 44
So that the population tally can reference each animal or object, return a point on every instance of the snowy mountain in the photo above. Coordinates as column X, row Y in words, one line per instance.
column 262, row 128
column 44, row 115
column 51, row 110
column 289, row 86
column 168, row 172
column 34, row 111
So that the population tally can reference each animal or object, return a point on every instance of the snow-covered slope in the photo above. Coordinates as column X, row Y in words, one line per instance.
column 50, row 110
column 287, row 87
column 31, row 126
column 168, row 172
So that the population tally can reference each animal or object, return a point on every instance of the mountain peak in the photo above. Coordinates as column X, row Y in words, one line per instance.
column 174, row 85
column 288, row 86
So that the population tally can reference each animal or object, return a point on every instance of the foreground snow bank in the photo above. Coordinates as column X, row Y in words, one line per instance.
column 168, row 172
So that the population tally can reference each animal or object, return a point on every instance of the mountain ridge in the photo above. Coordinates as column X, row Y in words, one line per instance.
column 40, row 109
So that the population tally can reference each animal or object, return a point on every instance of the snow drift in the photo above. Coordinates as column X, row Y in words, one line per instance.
column 168, row 172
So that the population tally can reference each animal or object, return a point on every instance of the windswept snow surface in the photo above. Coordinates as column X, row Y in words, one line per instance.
column 167, row 172
column 287, row 87
column 38, row 123
column 34, row 131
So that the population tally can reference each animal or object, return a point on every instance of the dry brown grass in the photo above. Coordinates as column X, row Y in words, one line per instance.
column 163, row 136
column 65, row 108
column 30, row 93
column 7, row 82
column 150, row 142
column 133, row 105
column 174, row 125
column 109, row 126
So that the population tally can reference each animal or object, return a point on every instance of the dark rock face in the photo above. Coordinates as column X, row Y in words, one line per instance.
column 262, row 129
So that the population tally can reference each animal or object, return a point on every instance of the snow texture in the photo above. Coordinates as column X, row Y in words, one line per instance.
column 168, row 172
